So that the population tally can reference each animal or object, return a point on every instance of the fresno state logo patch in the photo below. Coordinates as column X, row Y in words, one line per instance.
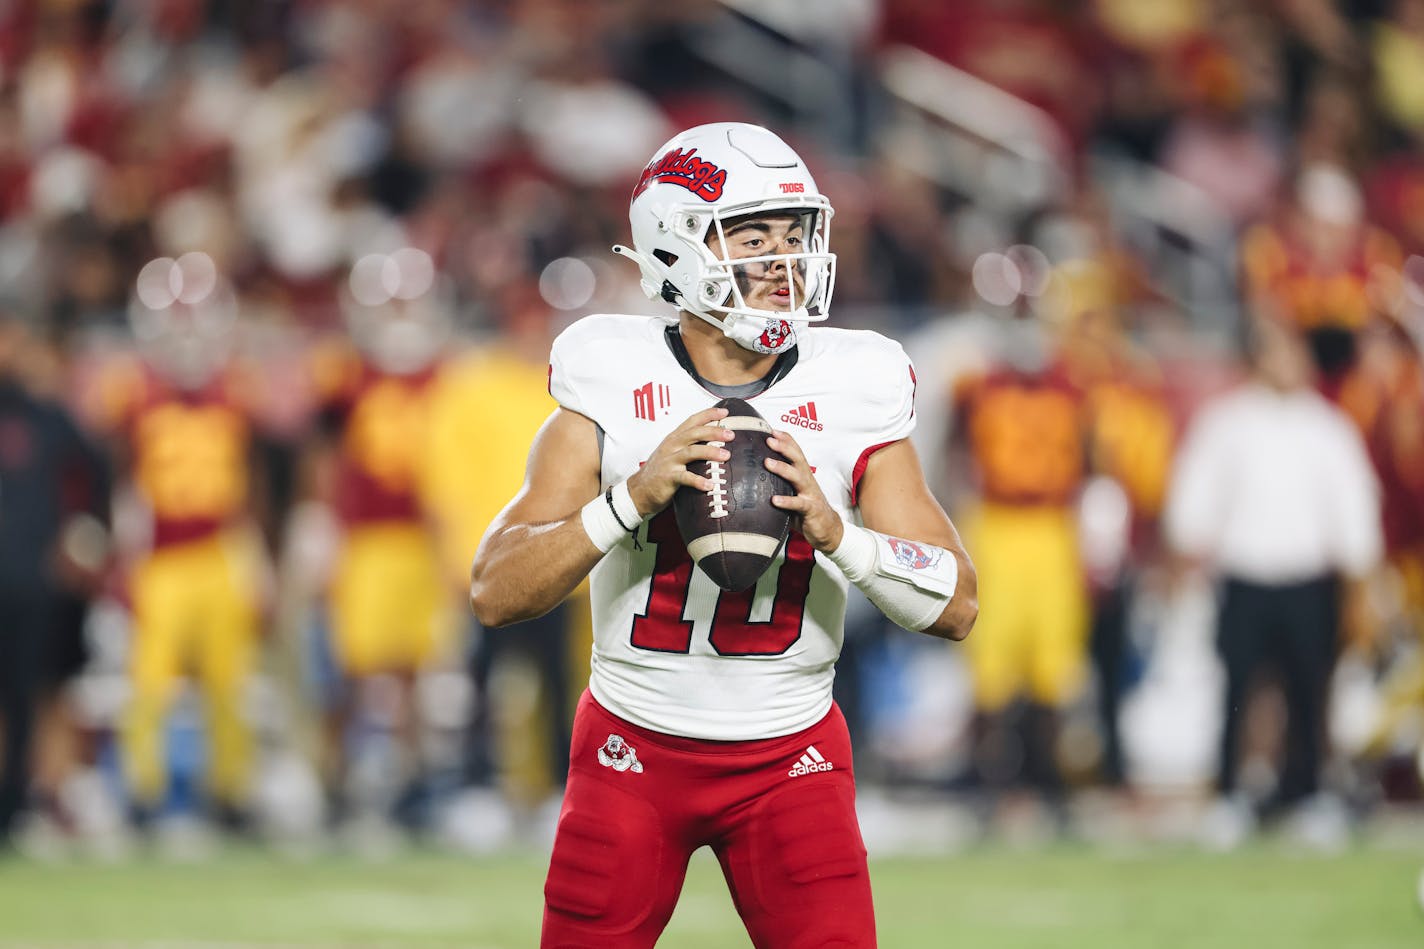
column 619, row 755
column 775, row 335
column 912, row 556
column 686, row 170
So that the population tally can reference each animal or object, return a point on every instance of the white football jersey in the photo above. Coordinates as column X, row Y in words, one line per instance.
column 671, row 651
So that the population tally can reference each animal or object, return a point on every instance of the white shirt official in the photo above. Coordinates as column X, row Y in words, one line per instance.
column 1275, row 488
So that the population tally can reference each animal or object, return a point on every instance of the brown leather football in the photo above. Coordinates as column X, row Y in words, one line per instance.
column 733, row 532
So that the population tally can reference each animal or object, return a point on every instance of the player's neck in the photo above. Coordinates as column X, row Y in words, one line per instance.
column 718, row 359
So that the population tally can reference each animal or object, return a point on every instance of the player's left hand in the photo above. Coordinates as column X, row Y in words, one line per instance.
column 811, row 513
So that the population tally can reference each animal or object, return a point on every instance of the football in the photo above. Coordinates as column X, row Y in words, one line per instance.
column 733, row 532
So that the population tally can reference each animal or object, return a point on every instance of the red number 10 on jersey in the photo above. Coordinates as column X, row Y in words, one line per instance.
column 661, row 628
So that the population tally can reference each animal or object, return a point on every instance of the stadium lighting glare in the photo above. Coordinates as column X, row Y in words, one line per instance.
column 1033, row 267
column 405, row 274
column 996, row 279
column 193, row 277
column 567, row 283
column 158, row 283
column 414, row 273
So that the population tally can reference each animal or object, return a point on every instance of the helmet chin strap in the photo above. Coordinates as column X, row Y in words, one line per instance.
column 757, row 334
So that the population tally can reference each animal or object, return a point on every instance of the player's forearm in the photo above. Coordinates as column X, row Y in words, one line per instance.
column 525, row 570
column 963, row 608
column 917, row 585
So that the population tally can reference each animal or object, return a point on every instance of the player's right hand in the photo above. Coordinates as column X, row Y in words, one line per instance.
column 654, row 484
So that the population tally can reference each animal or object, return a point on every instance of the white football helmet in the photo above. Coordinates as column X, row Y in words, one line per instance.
column 398, row 310
column 184, row 318
column 697, row 183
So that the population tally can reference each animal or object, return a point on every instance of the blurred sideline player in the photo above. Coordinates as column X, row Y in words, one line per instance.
column 38, row 444
column 1317, row 266
column 197, row 587
column 1131, row 434
column 485, row 410
column 1391, row 386
column 388, row 610
column 85, row 483
column 709, row 719
column 1023, row 426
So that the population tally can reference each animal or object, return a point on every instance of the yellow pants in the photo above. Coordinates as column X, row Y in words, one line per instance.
column 1031, row 636
column 194, row 613
column 389, row 611
column 1403, row 689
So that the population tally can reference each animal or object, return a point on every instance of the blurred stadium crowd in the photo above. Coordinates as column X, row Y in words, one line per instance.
column 279, row 280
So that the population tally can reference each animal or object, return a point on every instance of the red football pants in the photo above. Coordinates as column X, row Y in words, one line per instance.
column 779, row 814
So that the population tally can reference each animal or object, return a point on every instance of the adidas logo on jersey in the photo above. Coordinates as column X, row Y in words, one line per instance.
column 803, row 416
column 811, row 762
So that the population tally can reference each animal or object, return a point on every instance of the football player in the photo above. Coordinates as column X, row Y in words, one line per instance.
column 389, row 611
column 1023, row 427
column 196, row 592
column 1392, row 367
column 1131, row 435
column 1319, row 266
column 712, row 710
column 496, row 395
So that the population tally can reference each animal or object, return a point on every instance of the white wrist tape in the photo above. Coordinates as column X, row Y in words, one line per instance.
column 610, row 517
column 910, row 581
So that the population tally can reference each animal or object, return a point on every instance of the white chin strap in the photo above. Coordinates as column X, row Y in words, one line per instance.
column 757, row 334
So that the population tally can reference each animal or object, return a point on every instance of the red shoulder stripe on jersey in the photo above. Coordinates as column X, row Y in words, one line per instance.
column 858, row 471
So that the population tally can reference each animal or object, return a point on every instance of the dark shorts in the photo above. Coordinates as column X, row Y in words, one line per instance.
column 779, row 814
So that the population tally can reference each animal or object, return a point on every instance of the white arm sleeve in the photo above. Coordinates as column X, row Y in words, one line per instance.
column 911, row 582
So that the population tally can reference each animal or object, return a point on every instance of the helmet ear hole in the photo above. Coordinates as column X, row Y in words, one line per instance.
column 667, row 257
column 714, row 291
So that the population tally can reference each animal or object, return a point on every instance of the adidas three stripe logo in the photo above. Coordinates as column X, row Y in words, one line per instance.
column 811, row 762
column 804, row 416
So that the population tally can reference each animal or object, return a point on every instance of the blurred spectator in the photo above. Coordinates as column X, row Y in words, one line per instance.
column 1036, row 49
column 38, row 547
column 1397, row 50
column 1224, row 139
column 1273, row 493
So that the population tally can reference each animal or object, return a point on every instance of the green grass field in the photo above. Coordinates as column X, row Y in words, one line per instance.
column 984, row 899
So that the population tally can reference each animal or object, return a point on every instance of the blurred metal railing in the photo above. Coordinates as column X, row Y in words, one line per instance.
column 1007, row 158
column 765, row 47
column 1189, row 247
column 1000, row 156
column 972, row 137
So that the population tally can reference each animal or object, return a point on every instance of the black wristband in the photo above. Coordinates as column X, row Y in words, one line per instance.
column 608, row 496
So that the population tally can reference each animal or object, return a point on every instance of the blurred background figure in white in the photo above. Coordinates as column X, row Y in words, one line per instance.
column 1273, row 492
